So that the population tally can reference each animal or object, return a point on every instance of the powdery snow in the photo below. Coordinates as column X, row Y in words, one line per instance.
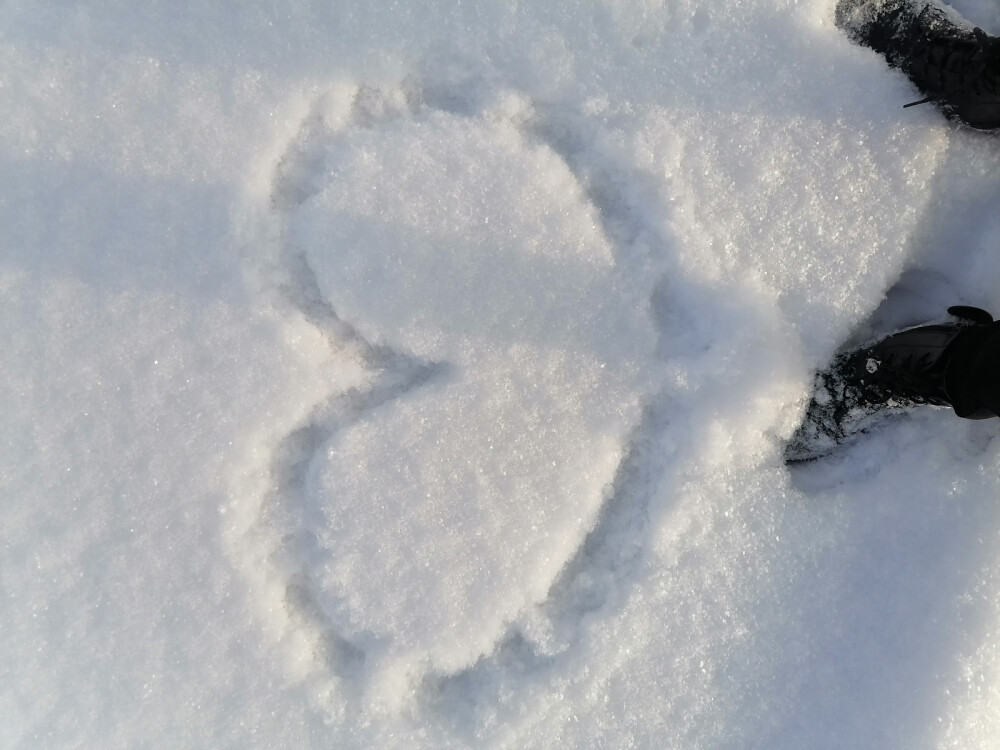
column 416, row 375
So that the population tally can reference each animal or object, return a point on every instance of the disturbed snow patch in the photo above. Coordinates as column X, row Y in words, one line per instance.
column 503, row 352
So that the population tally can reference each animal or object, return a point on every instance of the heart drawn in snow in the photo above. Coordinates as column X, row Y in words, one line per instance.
column 443, row 513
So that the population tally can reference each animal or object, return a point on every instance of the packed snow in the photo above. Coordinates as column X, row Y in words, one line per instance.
column 416, row 375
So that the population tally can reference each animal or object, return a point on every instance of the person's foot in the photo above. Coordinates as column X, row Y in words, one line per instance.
column 910, row 368
column 954, row 64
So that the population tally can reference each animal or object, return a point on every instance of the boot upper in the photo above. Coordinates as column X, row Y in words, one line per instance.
column 908, row 367
column 955, row 65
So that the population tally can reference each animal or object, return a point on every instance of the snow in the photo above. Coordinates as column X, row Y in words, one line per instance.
column 416, row 375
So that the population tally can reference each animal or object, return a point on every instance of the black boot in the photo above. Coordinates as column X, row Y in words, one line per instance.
column 947, row 364
column 955, row 65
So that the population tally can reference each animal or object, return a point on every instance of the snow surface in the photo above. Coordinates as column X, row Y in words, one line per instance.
column 415, row 374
